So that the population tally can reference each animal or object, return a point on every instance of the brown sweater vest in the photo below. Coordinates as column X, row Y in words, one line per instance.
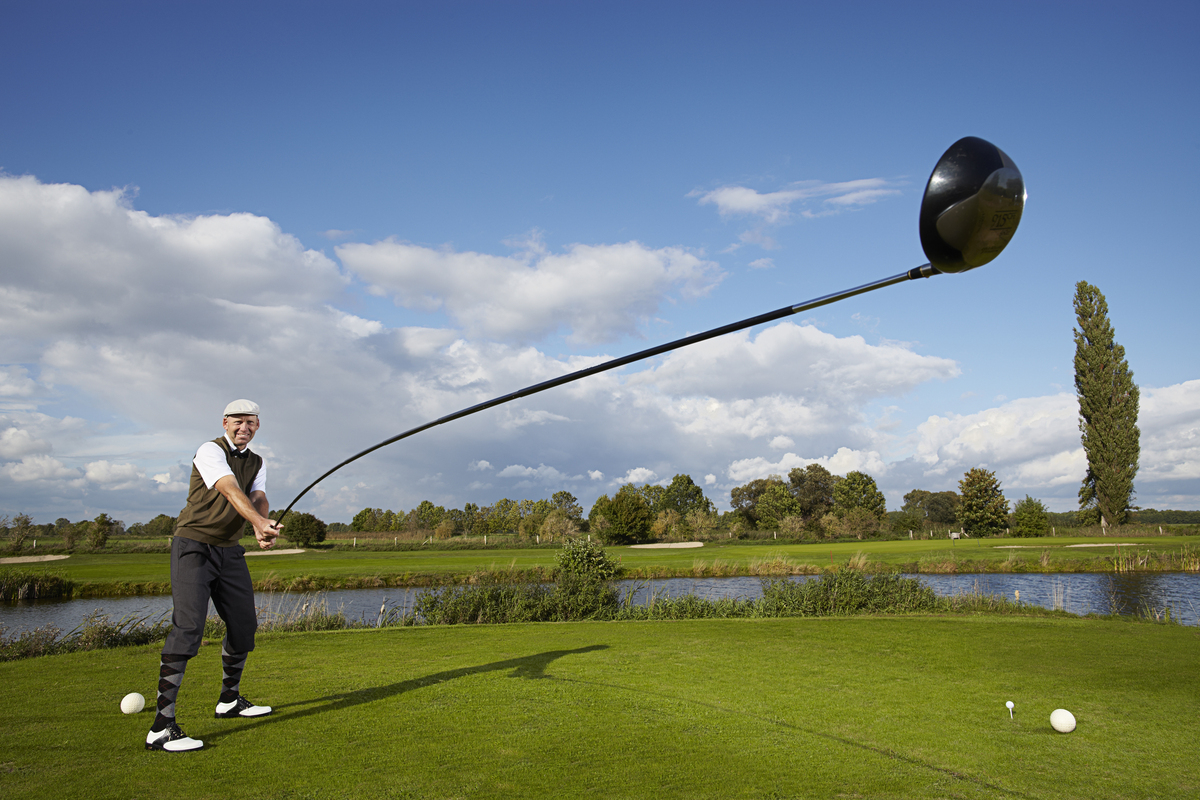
column 208, row 517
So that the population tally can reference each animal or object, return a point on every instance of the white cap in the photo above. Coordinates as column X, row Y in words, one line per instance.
column 241, row 407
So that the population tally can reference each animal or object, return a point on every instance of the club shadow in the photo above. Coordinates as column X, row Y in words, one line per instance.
column 831, row 737
column 529, row 667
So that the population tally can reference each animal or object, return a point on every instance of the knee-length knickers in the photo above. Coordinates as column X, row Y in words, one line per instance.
column 200, row 572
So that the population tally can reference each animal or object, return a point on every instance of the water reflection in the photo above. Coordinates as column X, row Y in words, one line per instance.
column 1143, row 594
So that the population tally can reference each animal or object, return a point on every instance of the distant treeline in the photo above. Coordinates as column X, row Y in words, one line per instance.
column 1150, row 516
column 1145, row 516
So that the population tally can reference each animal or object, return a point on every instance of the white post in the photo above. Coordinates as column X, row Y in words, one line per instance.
column 776, row 536
column 539, row 538
column 395, row 540
column 910, row 534
column 355, row 542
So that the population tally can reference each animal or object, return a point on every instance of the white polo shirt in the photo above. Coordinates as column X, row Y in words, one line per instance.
column 210, row 461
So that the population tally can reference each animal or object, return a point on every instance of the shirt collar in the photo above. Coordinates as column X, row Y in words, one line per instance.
column 233, row 447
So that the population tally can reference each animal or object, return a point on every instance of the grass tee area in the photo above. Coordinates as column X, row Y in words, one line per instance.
column 133, row 573
column 857, row 707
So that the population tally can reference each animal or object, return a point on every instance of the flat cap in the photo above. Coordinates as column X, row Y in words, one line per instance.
column 241, row 407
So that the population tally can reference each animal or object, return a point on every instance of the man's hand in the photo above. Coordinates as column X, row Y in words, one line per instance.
column 267, row 534
column 254, row 509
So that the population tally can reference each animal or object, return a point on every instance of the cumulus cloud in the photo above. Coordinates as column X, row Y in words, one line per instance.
column 539, row 474
column 843, row 461
column 113, row 476
column 596, row 292
column 38, row 468
column 15, row 382
column 17, row 442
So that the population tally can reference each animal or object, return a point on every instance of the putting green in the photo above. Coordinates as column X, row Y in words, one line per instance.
column 863, row 707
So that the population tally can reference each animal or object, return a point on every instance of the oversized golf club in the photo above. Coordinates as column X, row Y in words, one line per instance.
column 971, row 208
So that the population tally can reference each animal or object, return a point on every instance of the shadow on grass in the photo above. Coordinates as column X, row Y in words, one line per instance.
column 529, row 667
column 882, row 751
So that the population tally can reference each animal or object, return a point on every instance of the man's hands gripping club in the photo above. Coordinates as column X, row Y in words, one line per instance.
column 254, row 509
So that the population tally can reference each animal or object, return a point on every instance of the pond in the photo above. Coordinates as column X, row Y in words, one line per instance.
column 1146, row 594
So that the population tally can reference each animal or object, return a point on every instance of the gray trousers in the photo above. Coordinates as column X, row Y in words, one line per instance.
column 200, row 572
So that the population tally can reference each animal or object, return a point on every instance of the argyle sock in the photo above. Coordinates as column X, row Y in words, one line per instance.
column 170, row 675
column 232, row 665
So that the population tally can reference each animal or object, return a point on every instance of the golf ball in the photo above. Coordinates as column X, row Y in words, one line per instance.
column 133, row 702
column 1062, row 720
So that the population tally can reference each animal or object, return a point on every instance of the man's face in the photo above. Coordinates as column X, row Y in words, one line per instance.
column 240, row 428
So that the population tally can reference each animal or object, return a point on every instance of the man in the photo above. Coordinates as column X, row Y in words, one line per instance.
column 227, row 489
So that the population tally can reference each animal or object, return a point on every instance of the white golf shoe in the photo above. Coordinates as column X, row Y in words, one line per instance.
column 240, row 709
column 172, row 739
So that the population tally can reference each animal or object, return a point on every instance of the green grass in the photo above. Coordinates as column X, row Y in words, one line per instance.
column 863, row 707
column 131, row 573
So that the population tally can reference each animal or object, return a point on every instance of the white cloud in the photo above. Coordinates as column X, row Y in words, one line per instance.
column 807, row 199
column 114, row 476
column 762, row 263
column 38, row 468
column 1033, row 445
column 598, row 292
column 479, row 466
column 539, row 474
column 774, row 207
column 843, row 461
column 15, row 382
column 782, row 442
column 638, row 475
column 18, row 442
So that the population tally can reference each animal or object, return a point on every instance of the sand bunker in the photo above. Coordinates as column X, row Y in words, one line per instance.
column 1064, row 546
column 668, row 544
column 30, row 559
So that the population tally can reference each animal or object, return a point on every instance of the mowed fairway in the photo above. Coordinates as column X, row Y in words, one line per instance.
column 856, row 707
column 423, row 566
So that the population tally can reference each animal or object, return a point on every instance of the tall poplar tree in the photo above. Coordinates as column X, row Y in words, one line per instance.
column 1108, row 411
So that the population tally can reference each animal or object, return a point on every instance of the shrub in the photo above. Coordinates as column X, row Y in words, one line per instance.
column 583, row 559
column 846, row 592
column 1029, row 518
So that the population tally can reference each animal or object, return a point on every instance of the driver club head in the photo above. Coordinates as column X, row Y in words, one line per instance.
column 972, row 206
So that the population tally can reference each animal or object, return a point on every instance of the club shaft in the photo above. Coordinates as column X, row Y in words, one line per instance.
column 923, row 271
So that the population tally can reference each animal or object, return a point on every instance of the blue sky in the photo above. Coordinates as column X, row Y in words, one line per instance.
column 367, row 215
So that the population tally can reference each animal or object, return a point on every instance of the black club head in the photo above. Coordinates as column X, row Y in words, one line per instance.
column 972, row 206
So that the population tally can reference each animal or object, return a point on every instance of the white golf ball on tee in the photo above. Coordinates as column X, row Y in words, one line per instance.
column 1062, row 720
column 132, row 703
